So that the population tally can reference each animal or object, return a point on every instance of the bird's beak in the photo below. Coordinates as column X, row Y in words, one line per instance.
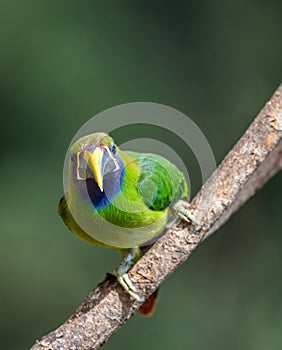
column 95, row 163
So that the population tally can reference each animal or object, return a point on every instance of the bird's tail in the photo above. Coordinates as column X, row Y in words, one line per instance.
column 148, row 307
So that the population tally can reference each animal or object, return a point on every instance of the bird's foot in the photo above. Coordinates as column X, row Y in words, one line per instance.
column 121, row 273
column 181, row 208
column 128, row 286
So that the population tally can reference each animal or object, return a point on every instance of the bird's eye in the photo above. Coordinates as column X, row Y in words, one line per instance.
column 113, row 148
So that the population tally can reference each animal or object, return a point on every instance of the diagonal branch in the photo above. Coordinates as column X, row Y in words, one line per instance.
column 255, row 158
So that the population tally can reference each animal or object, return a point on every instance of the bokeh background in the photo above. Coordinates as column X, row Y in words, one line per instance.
column 62, row 62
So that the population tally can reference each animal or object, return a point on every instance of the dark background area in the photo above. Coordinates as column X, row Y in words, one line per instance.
column 62, row 62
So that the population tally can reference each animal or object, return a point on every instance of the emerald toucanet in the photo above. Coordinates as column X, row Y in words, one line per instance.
column 120, row 199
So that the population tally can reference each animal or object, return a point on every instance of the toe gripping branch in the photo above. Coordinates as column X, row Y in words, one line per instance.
column 181, row 209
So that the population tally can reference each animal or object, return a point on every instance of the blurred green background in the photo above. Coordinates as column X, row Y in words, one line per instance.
column 64, row 61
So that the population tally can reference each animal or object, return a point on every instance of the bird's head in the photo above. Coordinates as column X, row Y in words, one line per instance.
column 95, row 157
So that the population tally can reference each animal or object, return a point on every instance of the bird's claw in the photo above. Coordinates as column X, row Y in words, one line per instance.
column 180, row 208
column 128, row 286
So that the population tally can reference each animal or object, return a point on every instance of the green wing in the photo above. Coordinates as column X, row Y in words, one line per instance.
column 160, row 182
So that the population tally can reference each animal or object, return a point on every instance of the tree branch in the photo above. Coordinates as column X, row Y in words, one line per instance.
column 255, row 158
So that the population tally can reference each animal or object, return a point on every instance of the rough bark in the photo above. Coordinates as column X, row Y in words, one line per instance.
column 255, row 158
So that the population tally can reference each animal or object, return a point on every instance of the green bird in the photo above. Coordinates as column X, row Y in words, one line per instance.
column 120, row 199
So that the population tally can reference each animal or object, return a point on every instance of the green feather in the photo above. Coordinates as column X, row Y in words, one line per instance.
column 160, row 181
